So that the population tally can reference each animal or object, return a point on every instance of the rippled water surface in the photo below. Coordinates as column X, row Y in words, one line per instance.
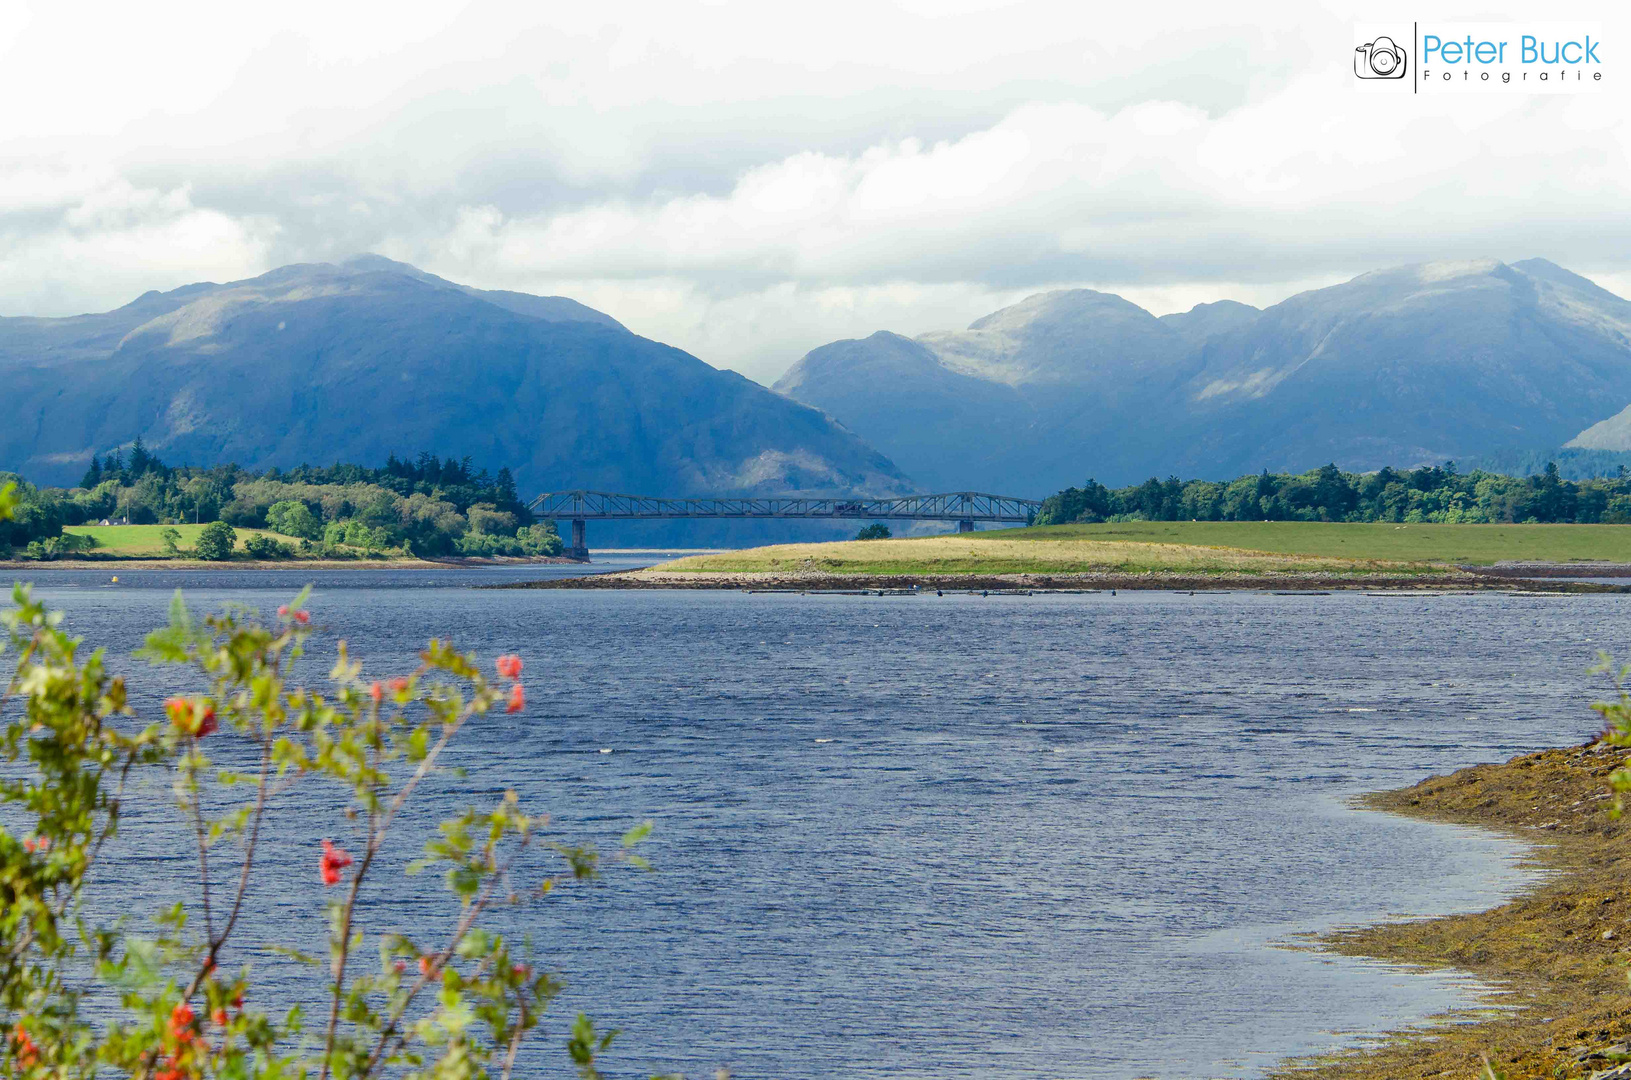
column 1047, row 836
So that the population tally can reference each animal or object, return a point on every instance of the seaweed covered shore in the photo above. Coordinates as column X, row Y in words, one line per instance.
column 1561, row 951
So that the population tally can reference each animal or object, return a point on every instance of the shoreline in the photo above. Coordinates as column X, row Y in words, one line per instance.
column 827, row 581
column 1558, row 952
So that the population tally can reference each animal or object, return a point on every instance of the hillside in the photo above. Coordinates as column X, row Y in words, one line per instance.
column 356, row 361
column 1413, row 365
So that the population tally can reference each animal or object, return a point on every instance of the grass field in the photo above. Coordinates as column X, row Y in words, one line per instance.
column 144, row 541
column 1205, row 547
column 1019, row 553
column 1469, row 544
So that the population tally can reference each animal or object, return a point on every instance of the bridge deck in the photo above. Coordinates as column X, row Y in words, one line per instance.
column 958, row 506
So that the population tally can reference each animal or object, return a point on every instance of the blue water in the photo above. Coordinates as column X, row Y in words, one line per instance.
column 1047, row 836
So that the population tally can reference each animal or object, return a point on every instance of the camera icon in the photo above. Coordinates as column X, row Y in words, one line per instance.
column 1379, row 59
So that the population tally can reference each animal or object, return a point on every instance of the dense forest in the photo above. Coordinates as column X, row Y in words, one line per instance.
column 1435, row 493
column 428, row 506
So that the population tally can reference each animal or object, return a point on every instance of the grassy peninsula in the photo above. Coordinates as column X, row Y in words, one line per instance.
column 1161, row 555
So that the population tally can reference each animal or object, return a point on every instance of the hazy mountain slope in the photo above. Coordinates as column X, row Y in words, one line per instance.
column 330, row 363
column 1418, row 363
column 937, row 420
column 1072, row 339
column 1203, row 322
column 1016, row 403
column 1398, row 367
column 549, row 308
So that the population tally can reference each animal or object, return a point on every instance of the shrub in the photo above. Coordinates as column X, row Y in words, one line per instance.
column 172, row 541
column 261, row 546
column 876, row 531
column 216, row 541
column 453, row 1003
column 55, row 547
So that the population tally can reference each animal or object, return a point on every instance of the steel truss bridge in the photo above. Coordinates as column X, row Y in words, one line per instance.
column 963, row 507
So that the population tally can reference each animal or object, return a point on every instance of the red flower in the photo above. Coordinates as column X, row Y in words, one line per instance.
column 399, row 685
column 425, row 966
column 520, row 971
column 518, row 699
column 219, row 1016
column 334, row 860
column 283, row 609
column 376, row 692
column 169, row 1072
column 509, row 666
column 400, row 966
column 191, row 716
column 27, row 1053
column 238, row 1000
column 181, row 1022
column 302, row 618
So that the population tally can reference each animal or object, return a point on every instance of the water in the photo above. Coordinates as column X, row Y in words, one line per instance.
column 1047, row 836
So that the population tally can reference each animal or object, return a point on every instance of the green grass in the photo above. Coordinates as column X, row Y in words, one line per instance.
column 1021, row 553
column 1467, row 544
column 144, row 541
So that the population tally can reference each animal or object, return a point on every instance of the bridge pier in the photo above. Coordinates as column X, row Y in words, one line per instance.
column 965, row 526
column 580, row 542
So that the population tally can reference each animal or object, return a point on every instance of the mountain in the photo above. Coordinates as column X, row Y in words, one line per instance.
column 993, row 407
column 1398, row 367
column 355, row 361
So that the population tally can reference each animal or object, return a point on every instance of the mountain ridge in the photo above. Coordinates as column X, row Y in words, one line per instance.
column 1398, row 366
column 326, row 362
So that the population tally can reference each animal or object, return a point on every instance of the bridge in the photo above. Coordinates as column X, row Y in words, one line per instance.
column 963, row 507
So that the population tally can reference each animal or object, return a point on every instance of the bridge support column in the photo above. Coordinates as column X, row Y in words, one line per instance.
column 965, row 526
column 580, row 543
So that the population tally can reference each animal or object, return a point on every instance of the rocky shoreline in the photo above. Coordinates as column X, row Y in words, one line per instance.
column 1559, row 953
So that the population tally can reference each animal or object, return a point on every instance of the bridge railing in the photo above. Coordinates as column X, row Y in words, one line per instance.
column 945, row 506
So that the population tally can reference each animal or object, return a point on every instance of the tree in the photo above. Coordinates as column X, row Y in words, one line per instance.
column 93, row 475
column 171, row 539
column 291, row 517
column 216, row 541
column 876, row 531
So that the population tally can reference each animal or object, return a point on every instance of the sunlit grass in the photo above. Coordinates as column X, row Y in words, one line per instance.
column 1020, row 553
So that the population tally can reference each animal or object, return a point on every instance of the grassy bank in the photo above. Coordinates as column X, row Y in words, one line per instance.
column 144, row 541
column 1037, row 551
column 1562, row 950
column 1457, row 544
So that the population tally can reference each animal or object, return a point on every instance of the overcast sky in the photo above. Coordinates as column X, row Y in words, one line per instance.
column 750, row 180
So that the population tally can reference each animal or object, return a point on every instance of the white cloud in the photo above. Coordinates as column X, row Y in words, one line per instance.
column 749, row 180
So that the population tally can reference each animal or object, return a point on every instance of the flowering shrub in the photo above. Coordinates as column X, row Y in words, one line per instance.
column 459, row 1005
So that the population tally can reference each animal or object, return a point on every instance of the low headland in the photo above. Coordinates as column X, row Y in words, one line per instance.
column 1167, row 555
column 1559, row 954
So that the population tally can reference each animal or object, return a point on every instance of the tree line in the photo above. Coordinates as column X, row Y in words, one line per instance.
column 428, row 506
column 1427, row 494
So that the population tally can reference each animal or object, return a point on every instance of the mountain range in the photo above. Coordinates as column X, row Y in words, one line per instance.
column 355, row 361
column 1417, row 364
column 358, row 360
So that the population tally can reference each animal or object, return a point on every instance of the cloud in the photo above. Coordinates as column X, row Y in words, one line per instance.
column 748, row 181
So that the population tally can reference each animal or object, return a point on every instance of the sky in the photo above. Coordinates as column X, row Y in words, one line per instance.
column 751, row 180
